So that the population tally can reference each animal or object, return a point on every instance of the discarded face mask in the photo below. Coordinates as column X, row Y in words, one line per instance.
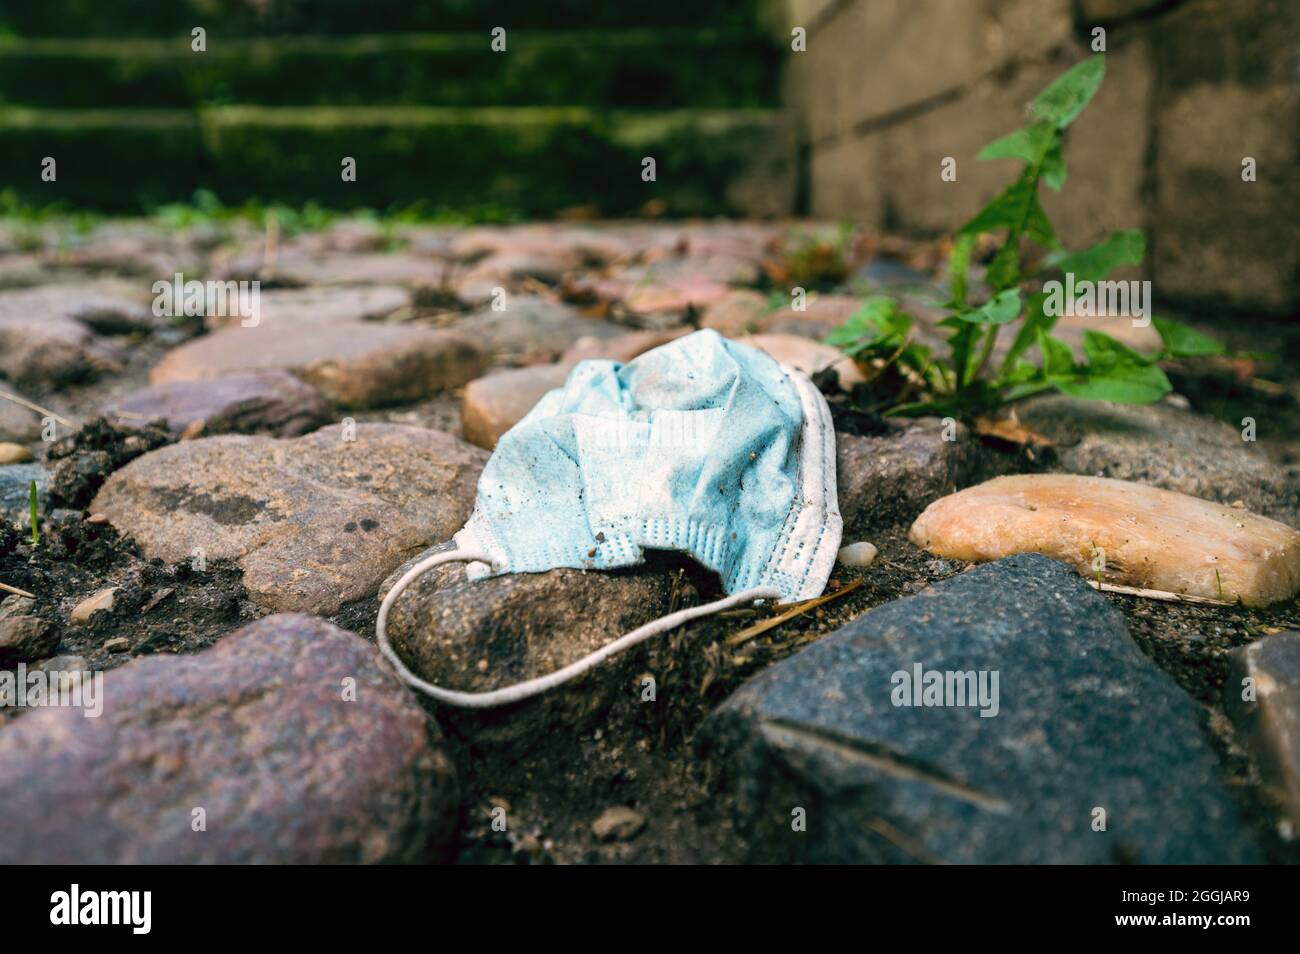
column 704, row 445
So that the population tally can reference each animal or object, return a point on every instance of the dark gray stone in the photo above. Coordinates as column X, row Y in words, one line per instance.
column 1165, row 446
column 484, row 635
column 1084, row 721
column 1267, row 715
column 887, row 481
column 258, row 732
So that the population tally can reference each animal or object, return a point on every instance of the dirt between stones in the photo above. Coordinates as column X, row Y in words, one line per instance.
column 157, row 608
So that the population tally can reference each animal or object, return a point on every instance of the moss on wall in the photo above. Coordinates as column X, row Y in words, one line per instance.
column 537, row 161
column 658, row 69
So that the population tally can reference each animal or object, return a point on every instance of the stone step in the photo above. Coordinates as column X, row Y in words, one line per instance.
column 525, row 160
column 641, row 68
column 237, row 17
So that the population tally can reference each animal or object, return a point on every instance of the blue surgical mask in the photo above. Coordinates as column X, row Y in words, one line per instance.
column 705, row 446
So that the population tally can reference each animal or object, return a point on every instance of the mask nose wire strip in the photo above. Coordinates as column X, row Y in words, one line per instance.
column 532, row 687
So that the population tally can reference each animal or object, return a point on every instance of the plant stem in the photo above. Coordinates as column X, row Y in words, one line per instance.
column 989, row 341
column 31, row 500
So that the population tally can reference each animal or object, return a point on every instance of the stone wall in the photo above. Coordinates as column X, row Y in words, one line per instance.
column 887, row 88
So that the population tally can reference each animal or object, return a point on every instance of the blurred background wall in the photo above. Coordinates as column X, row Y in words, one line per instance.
column 888, row 88
column 557, row 122
column 854, row 127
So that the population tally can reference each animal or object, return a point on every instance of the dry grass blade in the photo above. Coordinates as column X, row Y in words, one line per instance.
column 795, row 609
column 45, row 411
column 904, row 843
column 1011, row 430
column 1157, row 594
column 133, row 416
column 16, row 592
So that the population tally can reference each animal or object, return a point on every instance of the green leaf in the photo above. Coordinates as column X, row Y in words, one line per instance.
column 1032, row 144
column 879, row 326
column 1067, row 96
column 998, row 310
column 1036, row 319
column 1037, row 226
column 942, row 408
column 1004, row 271
column 959, row 268
column 1021, row 373
column 1126, row 384
column 884, row 313
column 1026, row 389
column 845, row 335
column 961, row 344
column 1054, row 167
column 1114, row 372
column 1093, row 264
column 1007, row 211
column 1018, row 211
column 1182, row 342
column 1058, row 360
column 1105, row 352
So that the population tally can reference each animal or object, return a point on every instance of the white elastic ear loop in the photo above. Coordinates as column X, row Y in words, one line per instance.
column 533, row 687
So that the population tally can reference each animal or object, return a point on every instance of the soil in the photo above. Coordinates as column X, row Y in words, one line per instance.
column 554, row 787
column 157, row 608
column 81, row 462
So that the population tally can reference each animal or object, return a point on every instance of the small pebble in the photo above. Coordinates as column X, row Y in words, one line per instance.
column 15, row 605
column 101, row 601
column 528, row 846
column 14, row 454
column 24, row 639
column 857, row 554
column 117, row 645
column 65, row 663
column 71, row 668
column 618, row 823
column 157, row 598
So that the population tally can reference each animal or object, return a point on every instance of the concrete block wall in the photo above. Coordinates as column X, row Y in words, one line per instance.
column 886, row 89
